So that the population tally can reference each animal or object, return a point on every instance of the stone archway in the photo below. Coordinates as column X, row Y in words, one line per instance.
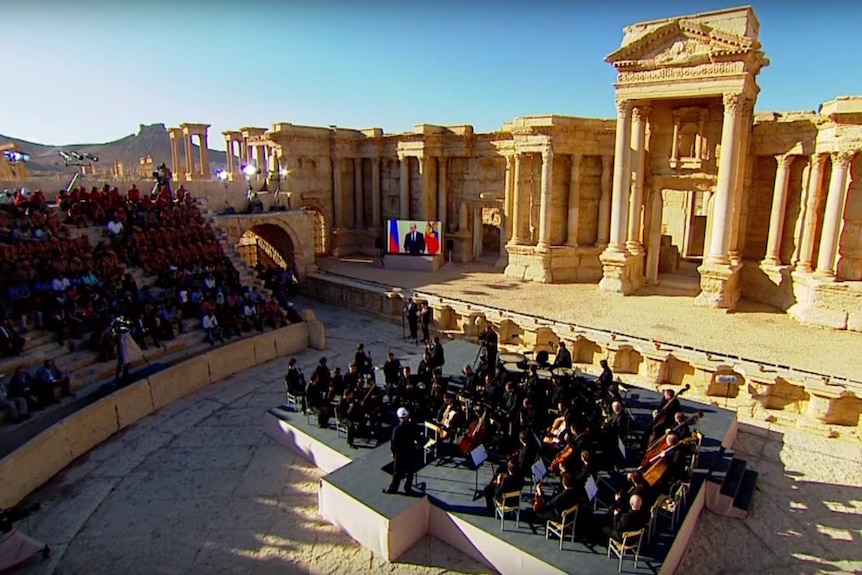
column 269, row 245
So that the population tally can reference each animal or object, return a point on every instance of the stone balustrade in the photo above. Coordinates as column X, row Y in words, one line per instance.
column 764, row 390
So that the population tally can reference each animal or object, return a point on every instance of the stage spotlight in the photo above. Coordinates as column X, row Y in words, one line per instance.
column 222, row 175
column 250, row 170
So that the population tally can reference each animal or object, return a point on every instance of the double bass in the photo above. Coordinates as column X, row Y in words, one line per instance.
column 654, row 469
column 661, row 417
column 661, row 443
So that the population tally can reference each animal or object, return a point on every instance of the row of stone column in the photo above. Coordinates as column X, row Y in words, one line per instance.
column 514, row 190
column 188, row 153
column 836, row 198
column 257, row 154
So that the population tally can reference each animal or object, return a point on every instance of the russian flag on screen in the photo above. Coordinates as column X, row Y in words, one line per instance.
column 394, row 242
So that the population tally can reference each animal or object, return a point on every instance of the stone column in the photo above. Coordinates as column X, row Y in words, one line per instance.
column 427, row 167
column 698, row 139
column 545, row 198
column 229, row 155
column 723, row 203
column 603, row 233
column 375, row 193
column 574, row 200
column 506, row 211
column 835, row 199
column 175, row 156
column 337, row 200
column 517, row 207
column 674, row 150
column 776, row 216
column 640, row 115
column 205, row 156
column 622, row 176
column 809, row 221
column 190, row 157
column 442, row 198
column 404, row 183
column 739, row 197
column 358, row 198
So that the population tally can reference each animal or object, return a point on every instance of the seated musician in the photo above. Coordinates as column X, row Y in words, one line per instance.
column 391, row 374
column 682, row 430
column 492, row 391
column 437, row 381
column 554, row 438
column 294, row 382
column 450, row 417
column 372, row 405
column 323, row 374
column 316, row 396
column 624, row 521
column 559, row 393
column 505, row 482
column 676, row 456
column 616, row 427
column 477, row 430
column 470, row 380
column 552, row 508
column 351, row 378
column 663, row 417
column 437, row 357
column 563, row 358
column 525, row 456
column 425, row 370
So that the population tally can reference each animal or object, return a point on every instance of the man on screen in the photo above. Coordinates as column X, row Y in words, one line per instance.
column 414, row 242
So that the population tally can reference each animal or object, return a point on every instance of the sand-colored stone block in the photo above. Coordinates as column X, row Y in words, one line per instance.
column 33, row 464
column 316, row 334
column 721, row 381
column 854, row 321
column 264, row 346
column 87, row 428
column 291, row 339
column 134, row 402
column 230, row 359
column 180, row 380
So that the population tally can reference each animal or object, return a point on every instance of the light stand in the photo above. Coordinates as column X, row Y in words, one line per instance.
column 15, row 159
column 79, row 160
column 250, row 171
column 223, row 176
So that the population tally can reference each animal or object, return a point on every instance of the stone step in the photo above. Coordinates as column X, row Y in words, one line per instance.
column 745, row 494
column 733, row 478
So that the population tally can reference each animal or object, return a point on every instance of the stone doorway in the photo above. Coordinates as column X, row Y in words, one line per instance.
column 491, row 224
column 267, row 245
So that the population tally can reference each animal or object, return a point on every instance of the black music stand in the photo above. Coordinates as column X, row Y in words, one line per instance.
column 478, row 456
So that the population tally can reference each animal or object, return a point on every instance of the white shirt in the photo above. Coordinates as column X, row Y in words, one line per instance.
column 115, row 228
column 249, row 310
column 61, row 284
column 210, row 322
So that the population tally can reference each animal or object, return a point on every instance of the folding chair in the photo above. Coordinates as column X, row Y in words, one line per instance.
column 569, row 519
column 631, row 542
column 432, row 435
column 505, row 506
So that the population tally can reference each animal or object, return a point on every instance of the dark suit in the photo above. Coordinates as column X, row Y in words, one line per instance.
column 496, row 490
column 628, row 521
column 414, row 243
column 403, row 446
column 563, row 359
column 555, row 506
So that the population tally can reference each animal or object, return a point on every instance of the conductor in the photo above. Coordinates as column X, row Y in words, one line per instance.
column 414, row 242
column 403, row 447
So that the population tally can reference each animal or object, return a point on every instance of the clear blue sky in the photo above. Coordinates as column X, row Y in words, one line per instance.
column 92, row 70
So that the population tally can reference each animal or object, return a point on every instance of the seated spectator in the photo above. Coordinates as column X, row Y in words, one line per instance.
column 11, row 342
column 21, row 385
column 250, row 317
column 61, row 283
column 16, row 407
column 115, row 228
column 49, row 377
column 212, row 329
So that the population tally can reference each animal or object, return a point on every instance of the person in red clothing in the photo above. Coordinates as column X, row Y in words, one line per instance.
column 134, row 194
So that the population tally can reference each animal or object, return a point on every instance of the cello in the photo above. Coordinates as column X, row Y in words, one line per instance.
column 661, row 443
column 475, row 435
column 656, row 467
column 661, row 417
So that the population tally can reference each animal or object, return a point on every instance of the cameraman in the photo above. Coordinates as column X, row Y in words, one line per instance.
column 15, row 547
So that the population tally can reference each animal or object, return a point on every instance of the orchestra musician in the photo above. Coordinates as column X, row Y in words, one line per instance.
column 663, row 417
column 632, row 520
column 606, row 378
column 437, row 355
column 505, row 482
column 450, row 417
column 554, row 437
column 489, row 341
column 391, row 373
column 470, row 380
column 362, row 360
column 476, row 431
column 403, row 445
column 294, row 381
column 316, row 396
column 372, row 407
column 349, row 412
column 616, row 427
column 563, row 358
column 351, row 378
column 551, row 509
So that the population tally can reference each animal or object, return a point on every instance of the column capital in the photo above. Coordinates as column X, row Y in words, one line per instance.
column 624, row 106
column 547, row 153
column 818, row 158
column 640, row 113
column 843, row 157
column 785, row 160
column 733, row 103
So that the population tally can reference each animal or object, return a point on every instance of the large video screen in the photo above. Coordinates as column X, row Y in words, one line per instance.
column 414, row 237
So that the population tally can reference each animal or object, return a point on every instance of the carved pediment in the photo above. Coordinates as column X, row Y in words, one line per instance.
column 681, row 43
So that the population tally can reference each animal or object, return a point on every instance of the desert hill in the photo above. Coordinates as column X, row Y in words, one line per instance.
column 151, row 140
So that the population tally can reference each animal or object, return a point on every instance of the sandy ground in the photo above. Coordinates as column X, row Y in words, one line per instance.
column 754, row 331
column 198, row 488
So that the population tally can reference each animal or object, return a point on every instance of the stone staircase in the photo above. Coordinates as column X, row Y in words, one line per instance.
column 730, row 486
column 247, row 276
